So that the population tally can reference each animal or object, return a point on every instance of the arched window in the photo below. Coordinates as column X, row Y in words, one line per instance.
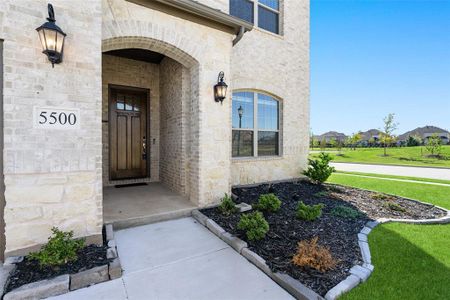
column 256, row 125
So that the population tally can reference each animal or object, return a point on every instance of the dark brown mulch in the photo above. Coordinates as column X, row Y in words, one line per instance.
column 339, row 234
column 29, row 271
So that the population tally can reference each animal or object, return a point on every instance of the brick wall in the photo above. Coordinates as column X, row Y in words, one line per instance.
column 134, row 73
column 173, row 125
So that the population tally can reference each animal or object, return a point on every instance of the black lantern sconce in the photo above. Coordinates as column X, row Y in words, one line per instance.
column 52, row 38
column 220, row 89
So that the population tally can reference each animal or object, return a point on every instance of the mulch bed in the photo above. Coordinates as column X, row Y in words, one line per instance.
column 339, row 234
column 29, row 271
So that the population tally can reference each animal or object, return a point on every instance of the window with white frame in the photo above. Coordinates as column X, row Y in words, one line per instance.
column 255, row 122
column 263, row 13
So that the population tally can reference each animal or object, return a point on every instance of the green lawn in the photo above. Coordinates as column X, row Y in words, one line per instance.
column 411, row 261
column 435, row 194
column 412, row 156
column 397, row 177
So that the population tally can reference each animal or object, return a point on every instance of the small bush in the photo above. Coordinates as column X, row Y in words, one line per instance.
column 310, row 254
column 227, row 206
column 60, row 249
column 319, row 169
column 254, row 225
column 309, row 212
column 321, row 194
column 346, row 212
column 269, row 202
column 394, row 206
column 380, row 196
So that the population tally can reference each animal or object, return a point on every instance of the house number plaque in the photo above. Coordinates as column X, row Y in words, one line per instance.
column 56, row 118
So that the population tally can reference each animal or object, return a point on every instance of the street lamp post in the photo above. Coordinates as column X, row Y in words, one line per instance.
column 240, row 113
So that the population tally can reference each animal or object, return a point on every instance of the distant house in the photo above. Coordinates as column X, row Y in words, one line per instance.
column 370, row 135
column 425, row 132
column 330, row 135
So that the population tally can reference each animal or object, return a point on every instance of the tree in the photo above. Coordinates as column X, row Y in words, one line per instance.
column 339, row 145
column 434, row 145
column 355, row 139
column 332, row 142
column 389, row 127
column 323, row 144
column 414, row 140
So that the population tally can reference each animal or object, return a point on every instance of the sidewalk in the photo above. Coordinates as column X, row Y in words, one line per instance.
column 421, row 172
column 180, row 259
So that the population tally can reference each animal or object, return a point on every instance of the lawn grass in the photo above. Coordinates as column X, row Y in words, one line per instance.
column 434, row 194
column 411, row 261
column 410, row 156
column 397, row 177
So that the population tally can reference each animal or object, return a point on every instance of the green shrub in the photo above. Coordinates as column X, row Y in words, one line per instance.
column 309, row 212
column 380, row 196
column 346, row 212
column 227, row 206
column 60, row 249
column 319, row 169
column 321, row 194
column 394, row 206
column 269, row 202
column 254, row 224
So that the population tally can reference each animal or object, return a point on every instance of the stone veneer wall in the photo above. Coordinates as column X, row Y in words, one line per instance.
column 134, row 73
column 174, row 87
column 278, row 65
column 52, row 177
column 205, row 51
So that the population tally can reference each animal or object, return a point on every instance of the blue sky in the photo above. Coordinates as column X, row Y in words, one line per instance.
column 373, row 57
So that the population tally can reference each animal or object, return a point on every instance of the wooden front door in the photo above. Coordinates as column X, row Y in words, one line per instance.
column 128, row 132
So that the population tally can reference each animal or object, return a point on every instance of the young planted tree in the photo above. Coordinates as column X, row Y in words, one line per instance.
column 355, row 139
column 434, row 145
column 387, row 137
column 332, row 142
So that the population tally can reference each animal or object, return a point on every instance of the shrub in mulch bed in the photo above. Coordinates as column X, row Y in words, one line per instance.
column 29, row 270
column 335, row 232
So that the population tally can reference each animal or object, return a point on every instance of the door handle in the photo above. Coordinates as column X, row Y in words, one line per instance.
column 144, row 148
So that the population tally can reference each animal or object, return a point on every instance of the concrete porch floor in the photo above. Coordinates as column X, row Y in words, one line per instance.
column 139, row 205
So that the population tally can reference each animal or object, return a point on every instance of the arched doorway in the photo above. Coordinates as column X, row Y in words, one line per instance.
column 148, row 126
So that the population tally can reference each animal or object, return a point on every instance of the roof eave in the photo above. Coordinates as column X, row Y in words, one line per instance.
column 209, row 13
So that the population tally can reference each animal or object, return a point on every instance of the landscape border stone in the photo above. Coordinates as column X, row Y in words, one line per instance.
column 358, row 273
column 291, row 285
column 64, row 283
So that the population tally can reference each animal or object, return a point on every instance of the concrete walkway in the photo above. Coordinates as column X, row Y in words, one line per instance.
column 394, row 179
column 422, row 172
column 180, row 259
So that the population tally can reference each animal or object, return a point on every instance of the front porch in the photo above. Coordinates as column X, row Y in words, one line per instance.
column 138, row 205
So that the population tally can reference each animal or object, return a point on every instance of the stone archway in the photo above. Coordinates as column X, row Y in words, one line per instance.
column 189, row 160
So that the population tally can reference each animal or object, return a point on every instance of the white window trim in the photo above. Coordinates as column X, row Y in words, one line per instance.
column 256, row 5
column 256, row 129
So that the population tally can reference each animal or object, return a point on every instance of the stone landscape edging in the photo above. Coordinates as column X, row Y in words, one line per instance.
column 358, row 273
column 291, row 285
column 67, row 282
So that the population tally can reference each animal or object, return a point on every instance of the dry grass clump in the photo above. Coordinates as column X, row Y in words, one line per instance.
column 310, row 254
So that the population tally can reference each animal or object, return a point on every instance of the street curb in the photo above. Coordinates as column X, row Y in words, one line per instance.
column 291, row 285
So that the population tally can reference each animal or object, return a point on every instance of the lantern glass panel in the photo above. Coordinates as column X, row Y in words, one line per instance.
column 50, row 38
column 42, row 39
column 59, row 42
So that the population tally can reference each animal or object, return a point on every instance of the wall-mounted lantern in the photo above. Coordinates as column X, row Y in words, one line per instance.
column 52, row 38
column 220, row 89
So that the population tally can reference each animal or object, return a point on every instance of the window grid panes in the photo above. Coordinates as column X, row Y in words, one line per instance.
column 263, row 13
column 252, row 137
